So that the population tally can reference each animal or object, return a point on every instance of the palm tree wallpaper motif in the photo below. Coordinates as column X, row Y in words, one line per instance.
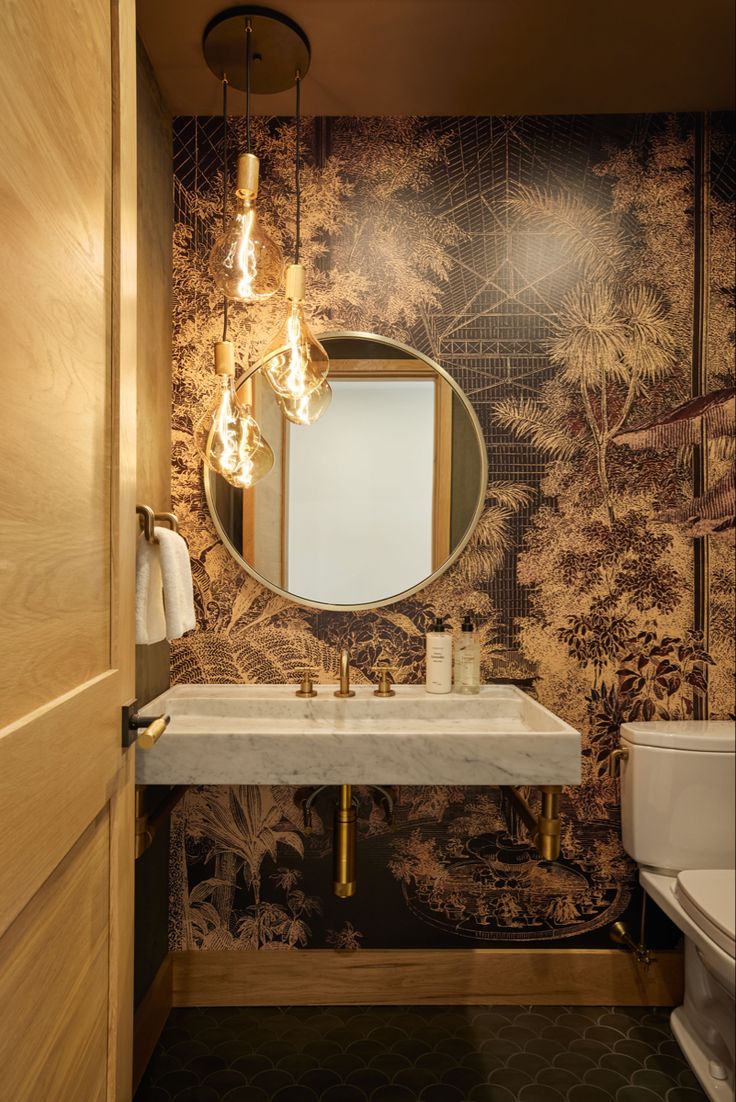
column 548, row 265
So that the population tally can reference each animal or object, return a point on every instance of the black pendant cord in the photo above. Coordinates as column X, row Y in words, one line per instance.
column 224, row 190
column 248, row 50
column 297, row 162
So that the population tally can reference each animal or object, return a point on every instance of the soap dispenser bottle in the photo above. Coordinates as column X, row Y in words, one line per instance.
column 467, row 658
column 439, row 658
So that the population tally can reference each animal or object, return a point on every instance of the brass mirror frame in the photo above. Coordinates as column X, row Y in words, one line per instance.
column 345, row 334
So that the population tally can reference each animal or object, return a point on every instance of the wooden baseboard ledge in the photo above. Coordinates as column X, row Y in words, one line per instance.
column 414, row 977
column 150, row 1019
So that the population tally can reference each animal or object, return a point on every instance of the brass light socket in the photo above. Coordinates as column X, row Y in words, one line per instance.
column 247, row 179
column 224, row 358
column 295, row 283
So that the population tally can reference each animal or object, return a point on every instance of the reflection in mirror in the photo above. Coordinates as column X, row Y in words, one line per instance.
column 375, row 497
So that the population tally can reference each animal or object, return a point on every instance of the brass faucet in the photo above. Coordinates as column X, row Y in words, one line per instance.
column 344, row 690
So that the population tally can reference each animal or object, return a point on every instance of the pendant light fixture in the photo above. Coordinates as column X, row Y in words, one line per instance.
column 245, row 263
column 295, row 363
column 228, row 435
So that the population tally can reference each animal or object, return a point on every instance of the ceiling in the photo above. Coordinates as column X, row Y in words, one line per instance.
column 470, row 57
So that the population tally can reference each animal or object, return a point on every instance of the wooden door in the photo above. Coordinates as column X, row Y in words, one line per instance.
column 67, row 537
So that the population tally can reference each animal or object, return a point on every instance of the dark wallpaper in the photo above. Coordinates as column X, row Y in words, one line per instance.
column 549, row 264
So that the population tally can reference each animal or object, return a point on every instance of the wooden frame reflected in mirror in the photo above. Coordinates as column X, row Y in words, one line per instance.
column 254, row 524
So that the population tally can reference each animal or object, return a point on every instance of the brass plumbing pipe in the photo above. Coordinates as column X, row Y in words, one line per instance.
column 344, row 881
column 544, row 829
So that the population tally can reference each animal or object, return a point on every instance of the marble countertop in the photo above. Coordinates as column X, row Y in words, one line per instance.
column 264, row 734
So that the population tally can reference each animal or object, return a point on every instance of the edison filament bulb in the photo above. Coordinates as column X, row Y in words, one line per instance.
column 244, row 262
column 295, row 363
column 228, row 436
column 309, row 408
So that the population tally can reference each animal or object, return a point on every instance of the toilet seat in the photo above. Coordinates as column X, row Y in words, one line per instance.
column 708, row 897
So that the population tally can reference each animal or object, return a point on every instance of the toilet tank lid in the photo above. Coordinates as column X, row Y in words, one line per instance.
column 714, row 735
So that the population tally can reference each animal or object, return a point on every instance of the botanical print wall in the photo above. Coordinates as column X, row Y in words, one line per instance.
column 556, row 268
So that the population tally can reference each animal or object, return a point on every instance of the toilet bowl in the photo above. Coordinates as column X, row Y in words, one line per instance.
column 677, row 822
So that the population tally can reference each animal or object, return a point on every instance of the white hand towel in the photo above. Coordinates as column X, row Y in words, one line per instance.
column 176, row 574
column 150, row 621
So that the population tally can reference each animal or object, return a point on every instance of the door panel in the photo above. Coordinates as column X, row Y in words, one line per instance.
column 55, row 224
column 53, row 980
column 67, row 540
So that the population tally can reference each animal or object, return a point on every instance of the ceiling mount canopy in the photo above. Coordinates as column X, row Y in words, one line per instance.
column 280, row 49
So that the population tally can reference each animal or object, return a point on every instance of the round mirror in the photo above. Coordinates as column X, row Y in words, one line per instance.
column 372, row 501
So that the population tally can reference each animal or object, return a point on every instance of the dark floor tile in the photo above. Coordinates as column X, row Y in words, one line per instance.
column 202, row 1066
column 392, row 1092
column 343, row 1063
column 462, row 1078
column 685, row 1094
column 536, row 1092
column 296, row 1063
column 511, row 1078
column 152, row 1094
column 486, row 1093
column 546, row 1049
column 296, row 1093
column 389, row 1062
column 436, row 1062
column 656, row 1081
column 272, row 1080
column 319, row 1079
column 367, row 1079
column 576, row 1062
column 224, row 1080
column 419, row 1054
column 252, row 1065
column 585, row 1092
column 605, row 1034
column 441, row 1092
column 199, row 1093
column 638, row 1094
column 559, row 1079
column 415, row 1079
column 411, row 1047
column 177, row 1081
column 246, row 1094
column 606, row 1079
column 344, row 1093
column 528, row 1062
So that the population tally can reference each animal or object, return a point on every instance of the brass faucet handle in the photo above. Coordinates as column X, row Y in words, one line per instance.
column 307, row 686
column 384, row 682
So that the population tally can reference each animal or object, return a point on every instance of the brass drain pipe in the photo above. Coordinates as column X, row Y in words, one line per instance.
column 344, row 881
column 544, row 828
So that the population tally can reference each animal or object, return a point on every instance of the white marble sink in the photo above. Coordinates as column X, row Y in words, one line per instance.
column 264, row 734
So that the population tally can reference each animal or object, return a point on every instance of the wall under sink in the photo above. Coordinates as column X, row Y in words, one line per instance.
column 451, row 228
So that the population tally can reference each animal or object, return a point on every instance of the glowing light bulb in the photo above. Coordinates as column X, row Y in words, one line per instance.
column 295, row 363
column 228, row 435
column 309, row 408
column 244, row 262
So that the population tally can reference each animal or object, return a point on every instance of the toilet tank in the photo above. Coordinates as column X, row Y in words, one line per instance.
column 677, row 794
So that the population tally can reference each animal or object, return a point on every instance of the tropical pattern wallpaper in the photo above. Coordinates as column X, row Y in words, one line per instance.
column 576, row 276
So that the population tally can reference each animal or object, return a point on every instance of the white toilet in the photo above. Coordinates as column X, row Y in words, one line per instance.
column 677, row 821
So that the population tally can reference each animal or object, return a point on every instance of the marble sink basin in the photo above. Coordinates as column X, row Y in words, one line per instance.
column 264, row 734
